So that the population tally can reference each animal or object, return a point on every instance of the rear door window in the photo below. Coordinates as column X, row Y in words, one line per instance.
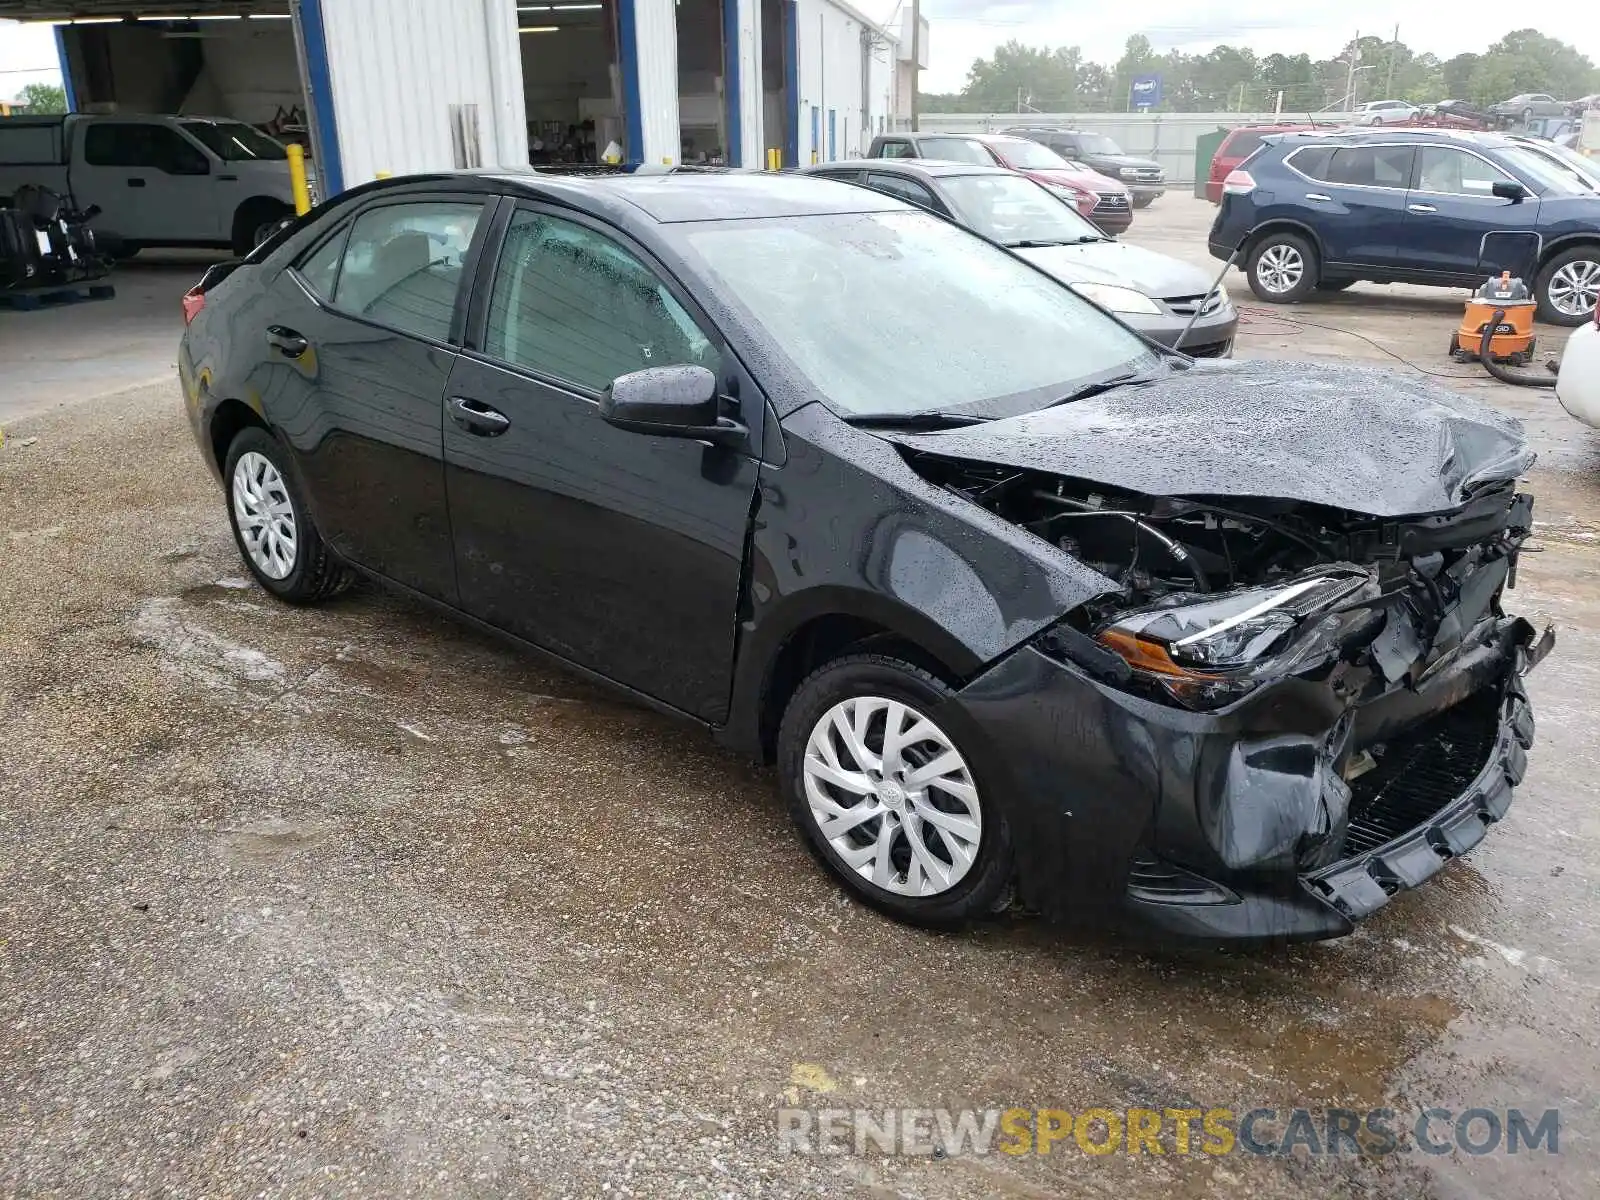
column 906, row 189
column 142, row 145
column 1371, row 166
column 1312, row 161
column 320, row 268
column 403, row 264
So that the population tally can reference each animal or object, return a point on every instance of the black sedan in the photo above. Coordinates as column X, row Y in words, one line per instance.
column 1159, row 296
column 1017, row 602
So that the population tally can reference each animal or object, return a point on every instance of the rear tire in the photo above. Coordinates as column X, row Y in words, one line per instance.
column 1282, row 268
column 272, row 525
column 1566, row 282
column 924, row 843
column 255, row 222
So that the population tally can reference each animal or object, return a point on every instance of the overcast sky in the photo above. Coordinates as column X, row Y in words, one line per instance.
column 962, row 30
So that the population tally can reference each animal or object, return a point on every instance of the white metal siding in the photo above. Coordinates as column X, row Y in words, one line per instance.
column 656, row 74
column 399, row 65
column 831, row 77
column 751, row 108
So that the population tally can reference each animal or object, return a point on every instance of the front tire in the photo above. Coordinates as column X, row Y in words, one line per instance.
column 1569, row 286
column 879, row 766
column 255, row 222
column 1283, row 268
column 272, row 525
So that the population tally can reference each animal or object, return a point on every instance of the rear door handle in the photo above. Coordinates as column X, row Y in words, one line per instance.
column 476, row 417
column 135, row 183
column 1319, row 196
column 1421, row 208
column 287, row 340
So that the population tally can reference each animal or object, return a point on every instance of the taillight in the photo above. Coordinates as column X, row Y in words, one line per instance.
column 1239, row 183
column 193, row 301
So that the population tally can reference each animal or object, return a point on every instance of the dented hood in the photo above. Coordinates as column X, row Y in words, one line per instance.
column 1358, row 438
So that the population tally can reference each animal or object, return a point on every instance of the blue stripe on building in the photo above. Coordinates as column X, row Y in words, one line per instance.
column 330, row 169
column 733, row 152
column 632, row 105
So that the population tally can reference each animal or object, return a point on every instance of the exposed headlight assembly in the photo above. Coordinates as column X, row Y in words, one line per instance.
column 1206, row 652
column 1118, row 299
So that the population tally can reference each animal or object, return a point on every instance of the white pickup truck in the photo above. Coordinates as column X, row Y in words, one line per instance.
column 158, row 180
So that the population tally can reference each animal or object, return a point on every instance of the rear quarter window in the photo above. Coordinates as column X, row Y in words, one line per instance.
column 30, row 145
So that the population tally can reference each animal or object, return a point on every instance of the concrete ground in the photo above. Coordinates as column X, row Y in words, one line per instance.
column 352, row 901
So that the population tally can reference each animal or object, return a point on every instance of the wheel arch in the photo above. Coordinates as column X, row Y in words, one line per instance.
column 815, row 629
column 1568, row 241
column 1285, row 225
column 228, row 420
column 253, row 210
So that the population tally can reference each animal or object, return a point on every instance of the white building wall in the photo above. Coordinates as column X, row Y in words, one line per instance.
column 752, row 109
column 837, row 73
column 398, row 66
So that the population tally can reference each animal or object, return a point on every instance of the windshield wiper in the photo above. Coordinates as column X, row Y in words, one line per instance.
column 1131, row 379
column 1041, row 243
column 916, row 420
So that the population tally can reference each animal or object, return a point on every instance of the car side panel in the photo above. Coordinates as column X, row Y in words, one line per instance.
column 846, row 527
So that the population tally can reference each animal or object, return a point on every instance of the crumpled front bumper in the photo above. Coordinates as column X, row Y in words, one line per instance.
column 1199, row 826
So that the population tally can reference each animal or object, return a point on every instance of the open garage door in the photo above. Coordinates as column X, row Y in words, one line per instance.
column 241, row 61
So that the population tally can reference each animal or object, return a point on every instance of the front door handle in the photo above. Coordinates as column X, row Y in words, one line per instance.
column 1319, row 196
column 1421, row 208
column 476, row 417
column 288, row 341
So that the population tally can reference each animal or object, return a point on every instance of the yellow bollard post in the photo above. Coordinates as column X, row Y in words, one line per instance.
column 383, row 174
column 297, row 179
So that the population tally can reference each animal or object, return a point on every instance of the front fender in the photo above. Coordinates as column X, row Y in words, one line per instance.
column 847, row 528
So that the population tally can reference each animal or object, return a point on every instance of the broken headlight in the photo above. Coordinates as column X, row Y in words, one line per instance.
column 1207, row 650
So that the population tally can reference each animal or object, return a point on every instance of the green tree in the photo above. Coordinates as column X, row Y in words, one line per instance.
column 44, row 98
column 1525, row 60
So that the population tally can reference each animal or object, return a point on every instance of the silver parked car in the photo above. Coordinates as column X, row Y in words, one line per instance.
column 1530, row 105
column 1157, row 295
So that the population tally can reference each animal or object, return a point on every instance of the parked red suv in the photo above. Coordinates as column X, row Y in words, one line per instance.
column 1103, row 200
column 1239, row 145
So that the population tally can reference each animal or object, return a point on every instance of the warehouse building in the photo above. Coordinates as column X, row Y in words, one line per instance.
column 397, row 86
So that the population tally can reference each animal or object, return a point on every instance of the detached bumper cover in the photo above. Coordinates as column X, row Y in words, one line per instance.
column 1201, row 825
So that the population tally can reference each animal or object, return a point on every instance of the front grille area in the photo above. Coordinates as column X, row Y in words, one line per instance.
column 1420, row 772
column 1208, row 350
column 1185, row 306
column 1111, row 202
column 1148, row 175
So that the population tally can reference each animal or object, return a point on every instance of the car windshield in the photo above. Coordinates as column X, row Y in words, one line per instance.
column 892, row 313
column 954, row 150
column 1548, row 177
column 1097, row 143
column 1030, row 156
column 234, row 141
column 1013, row 209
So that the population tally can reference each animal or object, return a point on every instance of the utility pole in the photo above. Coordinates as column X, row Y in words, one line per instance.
column 916, row 56
column 1350, row 76
column 1394, row 51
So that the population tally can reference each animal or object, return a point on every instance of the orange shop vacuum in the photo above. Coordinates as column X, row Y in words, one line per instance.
column 1498, row 324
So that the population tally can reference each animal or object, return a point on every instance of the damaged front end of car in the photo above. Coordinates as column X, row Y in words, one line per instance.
column 1283, row 715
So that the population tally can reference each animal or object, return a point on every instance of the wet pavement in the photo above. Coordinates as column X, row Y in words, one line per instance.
column 350, row 900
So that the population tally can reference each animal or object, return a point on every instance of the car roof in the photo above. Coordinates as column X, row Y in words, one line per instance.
column 668, row 196
column 927, row 168
column 1369, row 137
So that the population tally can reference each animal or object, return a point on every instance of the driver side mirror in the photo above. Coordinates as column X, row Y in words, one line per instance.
column 676, row 402
column 1508, row 189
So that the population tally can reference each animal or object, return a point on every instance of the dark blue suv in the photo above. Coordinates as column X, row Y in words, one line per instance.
column 1323, row 210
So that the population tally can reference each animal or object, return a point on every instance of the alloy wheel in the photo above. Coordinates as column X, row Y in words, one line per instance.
column 893, row 796
column 1575, row 288
column 1280, row 268
column 265, row 515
